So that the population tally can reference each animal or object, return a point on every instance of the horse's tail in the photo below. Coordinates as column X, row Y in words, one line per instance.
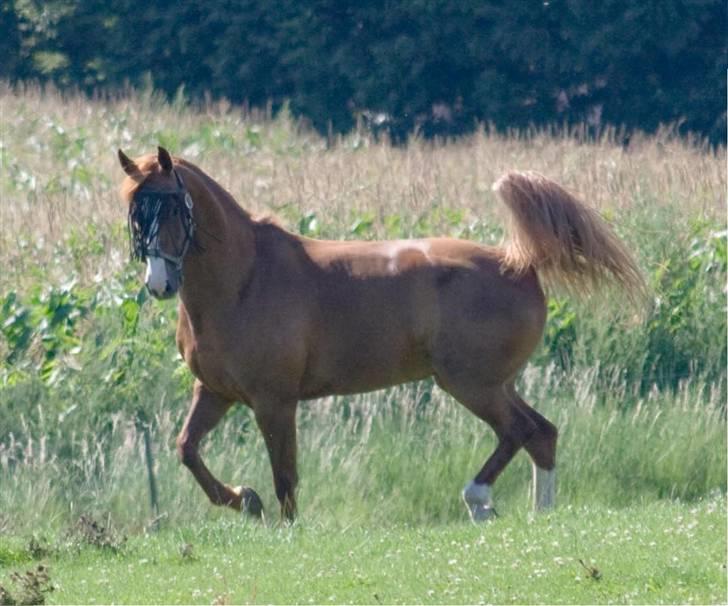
column 567, row 242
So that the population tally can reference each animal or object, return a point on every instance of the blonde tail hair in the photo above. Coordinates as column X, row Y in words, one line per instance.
column 568, row 243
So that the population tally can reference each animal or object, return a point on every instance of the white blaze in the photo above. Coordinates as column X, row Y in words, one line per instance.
column 156, row 276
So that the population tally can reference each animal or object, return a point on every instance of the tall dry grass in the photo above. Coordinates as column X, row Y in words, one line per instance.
column 58, row 156
column 640, row 401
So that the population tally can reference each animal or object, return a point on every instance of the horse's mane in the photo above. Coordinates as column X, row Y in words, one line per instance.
column 264, row 219
column 213, row 186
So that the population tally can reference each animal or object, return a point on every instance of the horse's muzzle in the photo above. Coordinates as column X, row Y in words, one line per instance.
column 163, row 278
column 167, row 293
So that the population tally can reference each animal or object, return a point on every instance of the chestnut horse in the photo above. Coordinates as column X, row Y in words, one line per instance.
column 270, row 318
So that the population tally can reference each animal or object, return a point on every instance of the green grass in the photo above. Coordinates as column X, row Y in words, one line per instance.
column 659, row 553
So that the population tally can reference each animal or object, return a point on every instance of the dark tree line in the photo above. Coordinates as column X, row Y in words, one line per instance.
column 433, row 65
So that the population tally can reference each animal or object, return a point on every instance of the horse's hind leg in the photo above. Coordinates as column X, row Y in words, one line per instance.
column 541, row 446
column 205, row 413
column 513, row 427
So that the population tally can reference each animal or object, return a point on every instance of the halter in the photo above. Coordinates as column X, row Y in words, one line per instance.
column 147, row 213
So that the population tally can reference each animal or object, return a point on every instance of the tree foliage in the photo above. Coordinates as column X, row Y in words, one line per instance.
column 435, row 66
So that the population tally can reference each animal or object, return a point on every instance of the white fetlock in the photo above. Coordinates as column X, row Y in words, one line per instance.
column 250, row 501
column 238, row 490
column 480, row 505
column 544, row 488
column 481, row 513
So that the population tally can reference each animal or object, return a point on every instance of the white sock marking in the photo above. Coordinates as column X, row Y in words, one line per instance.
column 477, row 494
column 477, row 498
column 544, row 488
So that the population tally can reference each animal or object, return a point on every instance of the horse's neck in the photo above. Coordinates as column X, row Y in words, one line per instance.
column 214, row 274
column 219, row 194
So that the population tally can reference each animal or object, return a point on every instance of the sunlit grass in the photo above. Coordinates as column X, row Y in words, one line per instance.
column 660, row 553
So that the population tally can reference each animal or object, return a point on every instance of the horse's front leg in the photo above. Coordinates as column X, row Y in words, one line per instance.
column 277, row 423
column 205, row 412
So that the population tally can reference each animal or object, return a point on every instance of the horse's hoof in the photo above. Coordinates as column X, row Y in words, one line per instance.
column 250, row 503
column 482, row 513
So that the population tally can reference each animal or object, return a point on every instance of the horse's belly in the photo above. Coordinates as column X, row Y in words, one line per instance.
column 362, row 385
column 364, row 368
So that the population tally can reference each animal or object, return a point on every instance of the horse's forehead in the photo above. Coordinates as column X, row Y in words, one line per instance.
column 152, row 179
column 146, row 162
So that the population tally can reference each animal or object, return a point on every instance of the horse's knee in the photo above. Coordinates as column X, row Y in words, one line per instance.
column 186, row 450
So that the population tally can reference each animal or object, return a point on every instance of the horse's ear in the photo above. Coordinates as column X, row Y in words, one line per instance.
column 127, row 164
column 164, row 159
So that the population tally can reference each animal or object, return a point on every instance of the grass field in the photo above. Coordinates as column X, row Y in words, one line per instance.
column 88, row 364
column 658, row 553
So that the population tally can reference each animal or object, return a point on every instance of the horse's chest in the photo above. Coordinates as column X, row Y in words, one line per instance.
column 208, row 358
column 241, row 359
column 211, row 367
column 238, row 368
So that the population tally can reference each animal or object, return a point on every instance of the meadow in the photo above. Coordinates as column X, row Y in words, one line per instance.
column 88, row 367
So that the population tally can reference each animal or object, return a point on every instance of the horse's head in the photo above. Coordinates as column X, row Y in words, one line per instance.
column 161, row 223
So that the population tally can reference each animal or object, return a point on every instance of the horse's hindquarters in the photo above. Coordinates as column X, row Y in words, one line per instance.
column 489, row 326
